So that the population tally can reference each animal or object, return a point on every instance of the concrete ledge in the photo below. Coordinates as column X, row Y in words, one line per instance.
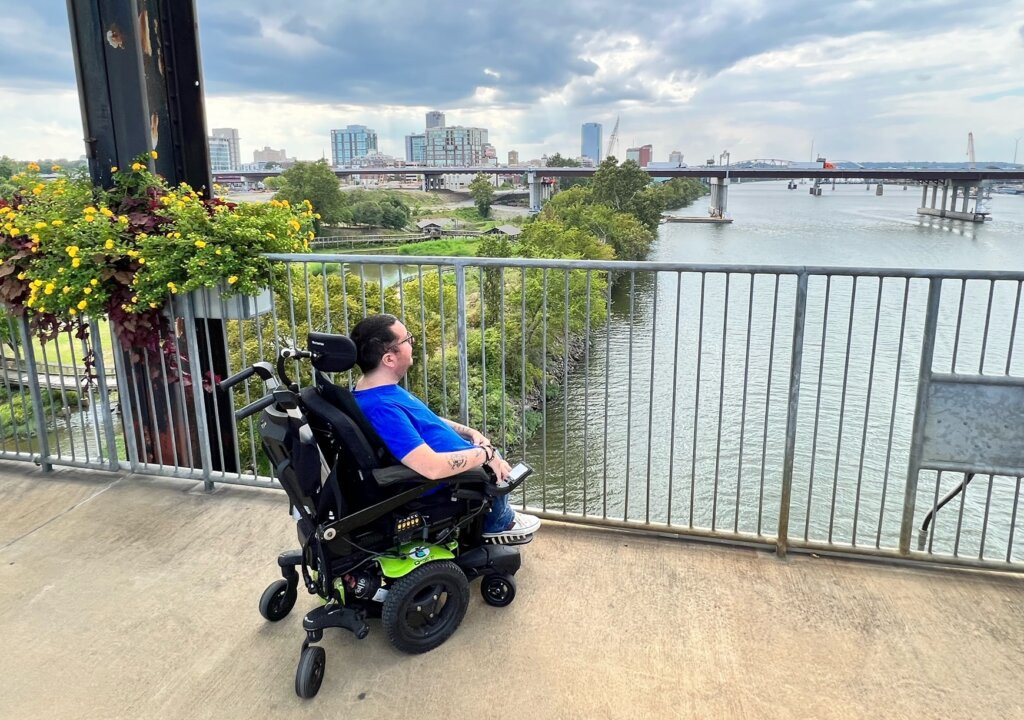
column 131, row 597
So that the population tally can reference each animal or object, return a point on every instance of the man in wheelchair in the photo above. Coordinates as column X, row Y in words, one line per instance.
column 430, row 445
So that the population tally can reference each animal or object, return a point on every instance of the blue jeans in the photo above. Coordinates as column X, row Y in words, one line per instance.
column 500, row 515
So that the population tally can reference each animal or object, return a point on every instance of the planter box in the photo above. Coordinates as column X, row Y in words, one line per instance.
column 207, row 303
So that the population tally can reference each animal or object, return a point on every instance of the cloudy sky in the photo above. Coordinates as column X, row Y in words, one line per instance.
column 863, row 80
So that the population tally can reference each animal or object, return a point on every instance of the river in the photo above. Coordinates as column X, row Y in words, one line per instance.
column 636, row 439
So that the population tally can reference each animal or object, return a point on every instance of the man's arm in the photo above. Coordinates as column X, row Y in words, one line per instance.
column 439, row 465
column 474, row 436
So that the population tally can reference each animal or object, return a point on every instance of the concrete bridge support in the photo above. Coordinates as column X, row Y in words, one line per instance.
column 947, row 207
column 719, row 201
column 432, row 181
column 534, row 184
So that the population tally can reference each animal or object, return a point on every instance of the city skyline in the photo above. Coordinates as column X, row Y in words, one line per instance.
column 871, row 82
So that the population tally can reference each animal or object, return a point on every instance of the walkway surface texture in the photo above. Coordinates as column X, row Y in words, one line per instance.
column 132, row 597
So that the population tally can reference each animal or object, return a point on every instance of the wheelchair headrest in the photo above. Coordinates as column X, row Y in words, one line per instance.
column 331, row 353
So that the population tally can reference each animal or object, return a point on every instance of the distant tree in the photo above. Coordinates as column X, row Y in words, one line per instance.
column 317, row 183
column 367, row 212
column 482, row 191
column 566, row 183
column 8, row 167
column 627, row 236
column 625, row 188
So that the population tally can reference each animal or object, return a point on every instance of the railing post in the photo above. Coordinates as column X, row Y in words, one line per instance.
column 924, row 375
column 796, row 362
column 460, row 309
column 124, row 402
column 194, row 365
column 37, row 398
column 108, row 414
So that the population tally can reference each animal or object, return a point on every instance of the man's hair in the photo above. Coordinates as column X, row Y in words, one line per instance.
column 373, row 338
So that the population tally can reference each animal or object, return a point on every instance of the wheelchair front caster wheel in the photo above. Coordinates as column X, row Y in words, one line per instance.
column 498, row 590
column 310, row 672
column 277, row 600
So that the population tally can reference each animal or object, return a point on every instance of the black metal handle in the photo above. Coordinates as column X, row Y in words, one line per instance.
column 238, row 377
column 253, row 408
column 949, row 496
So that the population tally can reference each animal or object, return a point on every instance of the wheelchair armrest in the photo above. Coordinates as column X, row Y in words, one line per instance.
column 402, row 474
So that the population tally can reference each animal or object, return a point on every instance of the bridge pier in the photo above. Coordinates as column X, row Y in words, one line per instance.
column 940, row 208
column 534, row 184
column 719, row 201
column 432, row 181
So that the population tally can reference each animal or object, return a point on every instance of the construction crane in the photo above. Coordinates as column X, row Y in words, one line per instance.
column 613, row 139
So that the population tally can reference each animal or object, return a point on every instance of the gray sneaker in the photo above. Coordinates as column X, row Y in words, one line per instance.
column 519, row 532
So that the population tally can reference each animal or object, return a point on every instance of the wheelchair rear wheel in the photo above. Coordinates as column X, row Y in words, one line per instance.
column 425, row 607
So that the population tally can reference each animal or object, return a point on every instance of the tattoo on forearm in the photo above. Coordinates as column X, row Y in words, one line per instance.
column 457, row 462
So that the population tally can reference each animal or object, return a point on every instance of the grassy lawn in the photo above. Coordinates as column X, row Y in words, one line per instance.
column 444, row 247
column 68, row 348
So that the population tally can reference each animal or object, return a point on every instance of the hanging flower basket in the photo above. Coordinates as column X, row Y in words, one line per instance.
column 211, row 304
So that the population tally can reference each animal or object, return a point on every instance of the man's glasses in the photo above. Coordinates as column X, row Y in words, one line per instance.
column 410, row 338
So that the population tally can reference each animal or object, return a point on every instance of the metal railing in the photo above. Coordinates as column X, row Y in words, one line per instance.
column 815, row 409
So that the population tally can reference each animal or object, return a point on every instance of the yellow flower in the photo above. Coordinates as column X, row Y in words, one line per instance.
column 136, row 166
column 152, row 154
column 33, row 167
column 89, row 210
column 55, row 168
column 113, row 168
column 66, row 289
column 106, row 212
column 57, row 223
column 109, row 244
column 135, row 298
column 90, row 218
column 72, row 312
column 76, row 262
column 40, row 225
column 71, row 250
column 94, row 282
column 87, row 290
column 172, row 287
column 176, row 235
column 21, row 276
column 37, row 190
column 60, row 271
column 217, row 251
column 83, row 304
column 50, row 287
column 123, row 219
column 232, row 280
column 142, row 261
column 200, row 244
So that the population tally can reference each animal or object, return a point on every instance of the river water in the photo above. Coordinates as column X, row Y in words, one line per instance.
column 634, row 434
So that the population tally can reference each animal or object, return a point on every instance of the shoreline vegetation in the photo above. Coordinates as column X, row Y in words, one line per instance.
column 614, row 216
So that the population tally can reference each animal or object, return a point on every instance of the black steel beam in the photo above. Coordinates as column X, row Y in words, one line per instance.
column 140, row 86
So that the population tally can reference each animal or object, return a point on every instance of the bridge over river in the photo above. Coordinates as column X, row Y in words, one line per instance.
column 958, row 187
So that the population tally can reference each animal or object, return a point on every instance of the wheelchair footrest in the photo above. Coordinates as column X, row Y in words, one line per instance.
column 336, row 616
column 488, row 559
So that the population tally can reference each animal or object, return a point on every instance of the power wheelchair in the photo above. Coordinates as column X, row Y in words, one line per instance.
column 376, row 539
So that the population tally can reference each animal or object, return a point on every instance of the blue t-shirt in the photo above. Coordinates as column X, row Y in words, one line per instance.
column 404, row 422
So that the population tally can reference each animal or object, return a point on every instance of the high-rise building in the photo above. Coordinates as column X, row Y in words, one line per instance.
column 675, row 157
column 640, row 155
column 513, row 158
column 415, row 146
column 268, row 155
column 220, row 154
column 455, row 146
column 351, row 142
column 231, row 135
column 590, row 141
column 435, row 119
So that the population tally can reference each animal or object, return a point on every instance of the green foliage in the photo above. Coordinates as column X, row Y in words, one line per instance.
column 626, row 188
column 17, row 417
column 566, row 183
column 377, row 208
column 317, row 183
column 482, row 191
column 680, row 192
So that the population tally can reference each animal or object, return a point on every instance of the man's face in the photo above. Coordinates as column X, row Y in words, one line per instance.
column 400, row 353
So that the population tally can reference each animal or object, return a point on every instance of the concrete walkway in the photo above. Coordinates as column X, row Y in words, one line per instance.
column 132, row 597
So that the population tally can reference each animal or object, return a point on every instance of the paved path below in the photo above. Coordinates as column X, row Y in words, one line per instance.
column 131, row 597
